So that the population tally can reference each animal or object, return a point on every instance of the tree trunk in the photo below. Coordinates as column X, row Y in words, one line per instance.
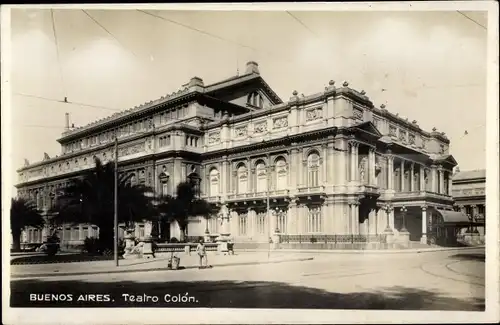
column 16, row 241
column 183, row 232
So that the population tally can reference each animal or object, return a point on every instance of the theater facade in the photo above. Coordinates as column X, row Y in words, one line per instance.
column 330, row 163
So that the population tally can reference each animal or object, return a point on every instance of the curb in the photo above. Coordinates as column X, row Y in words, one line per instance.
column 367, row 251
column 113, row 271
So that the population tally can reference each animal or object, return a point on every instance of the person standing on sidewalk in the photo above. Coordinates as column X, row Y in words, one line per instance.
column 202, row 253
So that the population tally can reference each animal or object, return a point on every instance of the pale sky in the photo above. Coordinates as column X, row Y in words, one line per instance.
column 432, row 64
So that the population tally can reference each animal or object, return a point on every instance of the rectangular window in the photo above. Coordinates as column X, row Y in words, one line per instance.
column 141, row 231
column 313, row 177
column 281, row 222
column 242, row 224
column 95, row 231
column 314, row 222
column 85, row 232
column 75, row 233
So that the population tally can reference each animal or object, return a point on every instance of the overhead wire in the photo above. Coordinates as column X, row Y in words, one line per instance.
column 57, row 53
column 203, row 32
column 474, row 21
column 68, row 102
column 302, row 23
column 109, row 33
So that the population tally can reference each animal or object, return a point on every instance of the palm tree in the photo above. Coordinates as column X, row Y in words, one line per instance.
column 90, row 199
column 184, row 205
column 23, row 213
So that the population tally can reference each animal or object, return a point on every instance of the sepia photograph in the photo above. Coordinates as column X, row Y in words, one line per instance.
column 252, row 158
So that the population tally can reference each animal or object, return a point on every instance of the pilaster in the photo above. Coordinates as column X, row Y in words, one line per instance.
column 402, row 176
column 390, row 172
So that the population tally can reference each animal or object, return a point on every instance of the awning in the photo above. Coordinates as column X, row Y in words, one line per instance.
column 453, row 216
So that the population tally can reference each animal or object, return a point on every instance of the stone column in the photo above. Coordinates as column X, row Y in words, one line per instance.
column 356, row 218
column 390, row 172
column 291, row 169
column 402, row 176
column 300, row 169
column 350, row 213
column 423, row 239
column 441, row 180
column 225, row 177
column 412, row 172
column 434, row 178
column 324, row 162
column 343, row 165
column 371, row 166
column 356, row 161
column 352, row 176
column 331, row 177
column 450, row 183
column 421, row 174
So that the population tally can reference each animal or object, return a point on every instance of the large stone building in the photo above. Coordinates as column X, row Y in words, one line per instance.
column 330, row 163
column 469, row 192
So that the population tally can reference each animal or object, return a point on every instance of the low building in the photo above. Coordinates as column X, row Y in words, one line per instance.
column 330, row 163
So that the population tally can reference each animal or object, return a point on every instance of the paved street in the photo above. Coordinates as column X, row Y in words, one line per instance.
column 447, row 280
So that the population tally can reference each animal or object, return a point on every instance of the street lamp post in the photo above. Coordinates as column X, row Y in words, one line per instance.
column 388, row 208
column 403, row 213
column 279, row 216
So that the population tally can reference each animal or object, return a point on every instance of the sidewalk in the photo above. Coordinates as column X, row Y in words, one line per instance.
column 366, row 251
column 156, row 264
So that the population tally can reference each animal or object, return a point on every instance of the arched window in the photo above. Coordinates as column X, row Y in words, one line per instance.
column 261, row 175
column 195, row 181
column 214, row 182
column 313, row 169
column 281, row 174
column 164, row 178
column 132, row 179
column 242, row 179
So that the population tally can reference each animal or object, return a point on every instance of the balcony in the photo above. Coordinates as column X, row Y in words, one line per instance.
column 314, row 190
column 257, row 195
column 212, row 199
column 421, row 195
column 370, row 189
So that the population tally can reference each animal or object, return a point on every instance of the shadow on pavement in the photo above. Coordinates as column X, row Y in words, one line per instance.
column 231, row 294
column 59, row 258
column 469, row 257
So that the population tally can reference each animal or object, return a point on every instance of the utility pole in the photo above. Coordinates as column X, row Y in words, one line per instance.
column 115, row 243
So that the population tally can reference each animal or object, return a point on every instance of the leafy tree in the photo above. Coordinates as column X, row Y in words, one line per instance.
column 90, row 199
column 184, row 205
column 23, row 213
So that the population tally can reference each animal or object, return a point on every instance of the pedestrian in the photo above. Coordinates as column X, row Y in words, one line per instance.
column 202, row 253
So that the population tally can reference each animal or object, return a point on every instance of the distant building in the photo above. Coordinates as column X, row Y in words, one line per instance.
column 469, row 193
column 330, row 163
